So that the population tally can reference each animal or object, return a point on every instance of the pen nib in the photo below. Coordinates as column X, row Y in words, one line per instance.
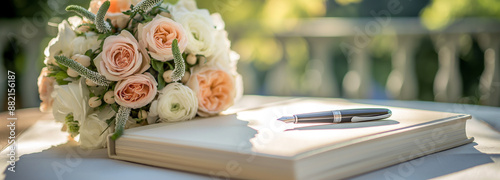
column 287, row 119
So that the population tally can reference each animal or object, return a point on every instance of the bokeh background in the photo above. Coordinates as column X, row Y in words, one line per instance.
column 430, row 50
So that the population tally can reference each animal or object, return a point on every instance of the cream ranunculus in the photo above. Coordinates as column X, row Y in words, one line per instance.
column 158, row 35
column 120, row 57
column 176, row 102
column 215, row 89
column 60, row 45
column 71, row 98
column 136, row 91
column 199, row 29
column 218, row 21
column 91, row 129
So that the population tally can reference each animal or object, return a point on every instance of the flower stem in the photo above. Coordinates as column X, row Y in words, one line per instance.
column 121, row 120
column 101, row 25
column 82, row 12
column 82, row 70
column 179, row 68
column 146, row 5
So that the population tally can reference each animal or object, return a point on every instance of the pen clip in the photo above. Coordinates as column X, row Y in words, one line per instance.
column 369, row 118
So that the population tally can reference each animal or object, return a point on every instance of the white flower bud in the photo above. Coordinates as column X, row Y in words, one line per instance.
column 167, row 76
column 191, row 59
column 143, row 114
column 90, row 82
column 109, row 97
column 82, row 59
column 94, row 102
column 186, row 77
column 72, row 73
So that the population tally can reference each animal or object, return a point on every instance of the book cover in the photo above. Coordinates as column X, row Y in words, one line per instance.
column 252, row 144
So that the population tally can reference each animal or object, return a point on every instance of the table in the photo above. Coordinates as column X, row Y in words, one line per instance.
column 65, row 160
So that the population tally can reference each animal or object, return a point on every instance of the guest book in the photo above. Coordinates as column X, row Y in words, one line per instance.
column 251, row 144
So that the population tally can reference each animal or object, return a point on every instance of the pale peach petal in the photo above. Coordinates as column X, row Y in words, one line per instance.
column 136, row 91
column 45, row 88
column 157, row 36
column 215, row 90
column 121, row 57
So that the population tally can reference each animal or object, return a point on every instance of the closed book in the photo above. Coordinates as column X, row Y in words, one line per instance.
column 252, row 144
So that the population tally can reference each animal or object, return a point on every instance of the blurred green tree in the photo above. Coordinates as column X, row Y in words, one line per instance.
column 440, row 13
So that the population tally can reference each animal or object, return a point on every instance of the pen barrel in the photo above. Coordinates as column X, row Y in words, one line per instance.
column 367, row 114
column 346, row 115
column 316, row 117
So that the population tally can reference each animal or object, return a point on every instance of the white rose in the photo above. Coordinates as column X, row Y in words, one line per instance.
column 60, row 44
column 75, row 21
column 199, row 28
column 221, row 54
column 218, row 22
column 71, row 98
column 189, row 5
column 91, row 129
column 176, row 103
column 238, row 86
column 90, row 133
column 81, row 44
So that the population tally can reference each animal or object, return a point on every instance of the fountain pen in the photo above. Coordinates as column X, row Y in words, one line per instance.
column 339, row 116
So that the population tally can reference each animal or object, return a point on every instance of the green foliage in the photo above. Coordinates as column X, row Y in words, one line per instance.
column 108, row 121
column 58, row 72
column 158, row 66
column 441, row 13
column 72, row 125
column 157, row 10
column 114, row 107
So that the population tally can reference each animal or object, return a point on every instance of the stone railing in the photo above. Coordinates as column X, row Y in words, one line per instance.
column 322, row 35
column 353, row 35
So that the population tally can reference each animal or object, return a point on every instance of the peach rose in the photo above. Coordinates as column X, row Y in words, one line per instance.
column 136, row 91
column 157, row 36
column 214, row 88
column 114, row 13
column 45, row 88
column 121, row 58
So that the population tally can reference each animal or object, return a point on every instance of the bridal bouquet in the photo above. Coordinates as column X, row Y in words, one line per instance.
column 128, row 63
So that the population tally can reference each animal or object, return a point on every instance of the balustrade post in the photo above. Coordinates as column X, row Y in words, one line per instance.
column 448, row 82
column 279, row 80
column 357, row 81
column 319, row 74
column 490, row 79
column 402, row 82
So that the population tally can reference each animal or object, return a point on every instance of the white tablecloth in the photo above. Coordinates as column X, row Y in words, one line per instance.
column 480, row 159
